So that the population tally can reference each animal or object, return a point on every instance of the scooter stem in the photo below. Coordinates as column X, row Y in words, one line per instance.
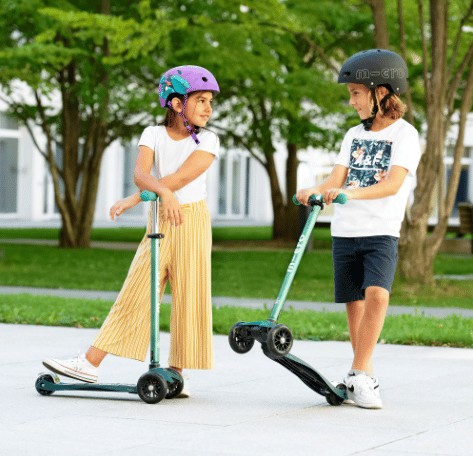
column 294, row 264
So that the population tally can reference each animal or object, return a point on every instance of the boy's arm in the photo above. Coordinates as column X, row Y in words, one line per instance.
column 336, row 179
column 389, row 186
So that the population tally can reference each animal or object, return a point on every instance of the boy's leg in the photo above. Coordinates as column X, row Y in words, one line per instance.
column 355, row 311
column 365, row 323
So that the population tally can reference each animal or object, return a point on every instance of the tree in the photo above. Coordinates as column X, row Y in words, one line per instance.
column 86, row 65
column 446, row 72
column 281, row 91
column 448, row 89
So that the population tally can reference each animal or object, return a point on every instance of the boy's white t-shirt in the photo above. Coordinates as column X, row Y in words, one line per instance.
column 369, row 155
column 169, row 155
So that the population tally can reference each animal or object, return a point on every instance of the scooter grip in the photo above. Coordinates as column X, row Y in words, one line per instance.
column 340, row 199
column 146, row 195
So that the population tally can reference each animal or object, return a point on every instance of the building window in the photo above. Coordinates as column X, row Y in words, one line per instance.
column 465, row 191
column 129, row 187
column 8, row 122
column 50, row 206
column 8, row 175
column 234, row 174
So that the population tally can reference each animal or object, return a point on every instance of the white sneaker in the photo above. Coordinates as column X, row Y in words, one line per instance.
column 364, row 391
column 78, row 368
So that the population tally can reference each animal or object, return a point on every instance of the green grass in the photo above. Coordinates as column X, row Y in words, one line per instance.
column 130, row 234
column 452, row 331
column 238, row 273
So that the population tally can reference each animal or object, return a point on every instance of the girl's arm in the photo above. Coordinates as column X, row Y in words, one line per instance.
column 196, row 164
column 124, row 204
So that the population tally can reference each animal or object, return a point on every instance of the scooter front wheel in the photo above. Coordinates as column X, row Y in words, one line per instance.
column 279, row 341
column 152, row 388
column 240, row 339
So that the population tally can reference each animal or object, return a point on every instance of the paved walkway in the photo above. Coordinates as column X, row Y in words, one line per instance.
column 219, row 301
column 247, row 405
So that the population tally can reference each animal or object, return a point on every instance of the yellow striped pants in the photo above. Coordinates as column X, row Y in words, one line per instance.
column 185, row 262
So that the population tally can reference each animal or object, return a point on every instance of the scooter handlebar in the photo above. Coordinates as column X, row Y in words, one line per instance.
column 146, row 195
column 340, row 199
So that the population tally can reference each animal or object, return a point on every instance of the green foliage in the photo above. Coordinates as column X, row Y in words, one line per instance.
column 452, row 331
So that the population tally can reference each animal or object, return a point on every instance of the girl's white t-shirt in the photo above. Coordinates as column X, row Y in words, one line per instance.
column 369, row 155
column 169, row 155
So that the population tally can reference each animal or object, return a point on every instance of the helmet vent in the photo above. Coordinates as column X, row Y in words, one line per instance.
column 204, row 79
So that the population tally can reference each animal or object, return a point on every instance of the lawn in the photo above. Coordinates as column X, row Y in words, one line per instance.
column 244, row 264
column 239, row 273
column 452, row 331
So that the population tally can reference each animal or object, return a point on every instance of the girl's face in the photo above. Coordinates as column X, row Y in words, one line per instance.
column 360, row 99
column 199, row 108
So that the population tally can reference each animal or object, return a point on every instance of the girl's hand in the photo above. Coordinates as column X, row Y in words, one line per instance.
column 123, row 205
column 170, row 209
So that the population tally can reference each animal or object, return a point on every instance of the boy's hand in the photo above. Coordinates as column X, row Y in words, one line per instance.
column 330, row 194
column 304, row 194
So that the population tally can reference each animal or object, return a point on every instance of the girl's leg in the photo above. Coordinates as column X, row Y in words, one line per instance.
column 95, row 356
column 191, row 314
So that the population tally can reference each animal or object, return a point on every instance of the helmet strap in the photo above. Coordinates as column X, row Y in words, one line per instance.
column 368, row 123
column 192, row 130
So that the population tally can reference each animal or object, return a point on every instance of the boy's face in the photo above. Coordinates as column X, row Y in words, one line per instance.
column 360, row 99
column 199, row 108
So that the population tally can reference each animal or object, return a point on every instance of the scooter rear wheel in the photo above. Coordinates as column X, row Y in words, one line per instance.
column 39, row 385
column 333, row 399
column 279, row 341
column 152, row 388
column 176, row 386
column 240, row 339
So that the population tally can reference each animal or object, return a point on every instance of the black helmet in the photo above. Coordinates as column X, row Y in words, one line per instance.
column 375, row 67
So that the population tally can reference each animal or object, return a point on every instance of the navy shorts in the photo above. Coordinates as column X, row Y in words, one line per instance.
column 359, row 263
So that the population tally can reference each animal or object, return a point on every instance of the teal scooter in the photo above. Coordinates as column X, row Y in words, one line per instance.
column 156, row 384
column 276, row 339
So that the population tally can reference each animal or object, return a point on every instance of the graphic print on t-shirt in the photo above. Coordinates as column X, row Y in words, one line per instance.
column 369, row 162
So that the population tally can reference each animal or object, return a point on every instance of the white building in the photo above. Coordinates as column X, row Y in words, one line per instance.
column 238, row 186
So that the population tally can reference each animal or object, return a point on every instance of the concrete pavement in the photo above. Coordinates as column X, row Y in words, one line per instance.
column 247, row 405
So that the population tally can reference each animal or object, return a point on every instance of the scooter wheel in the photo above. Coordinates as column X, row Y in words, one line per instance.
column 152, row 388
column 240, row 339
column 39, row 385
column 333, row 399
column 176, row 386
column 279, row 341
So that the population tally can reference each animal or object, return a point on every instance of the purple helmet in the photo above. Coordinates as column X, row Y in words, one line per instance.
column 185, row 79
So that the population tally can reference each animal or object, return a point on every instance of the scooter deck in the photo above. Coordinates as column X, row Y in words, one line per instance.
column 309, row 376
column 51, row 382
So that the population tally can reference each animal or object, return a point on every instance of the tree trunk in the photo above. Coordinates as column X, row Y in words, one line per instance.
column 381, row 36
column 286, row 214
column 418, row 249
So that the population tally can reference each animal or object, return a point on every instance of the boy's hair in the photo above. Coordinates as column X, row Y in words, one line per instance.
column 390, row 105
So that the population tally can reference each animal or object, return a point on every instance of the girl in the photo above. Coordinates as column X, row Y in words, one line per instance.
column 179, row 151
column 365, row 231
